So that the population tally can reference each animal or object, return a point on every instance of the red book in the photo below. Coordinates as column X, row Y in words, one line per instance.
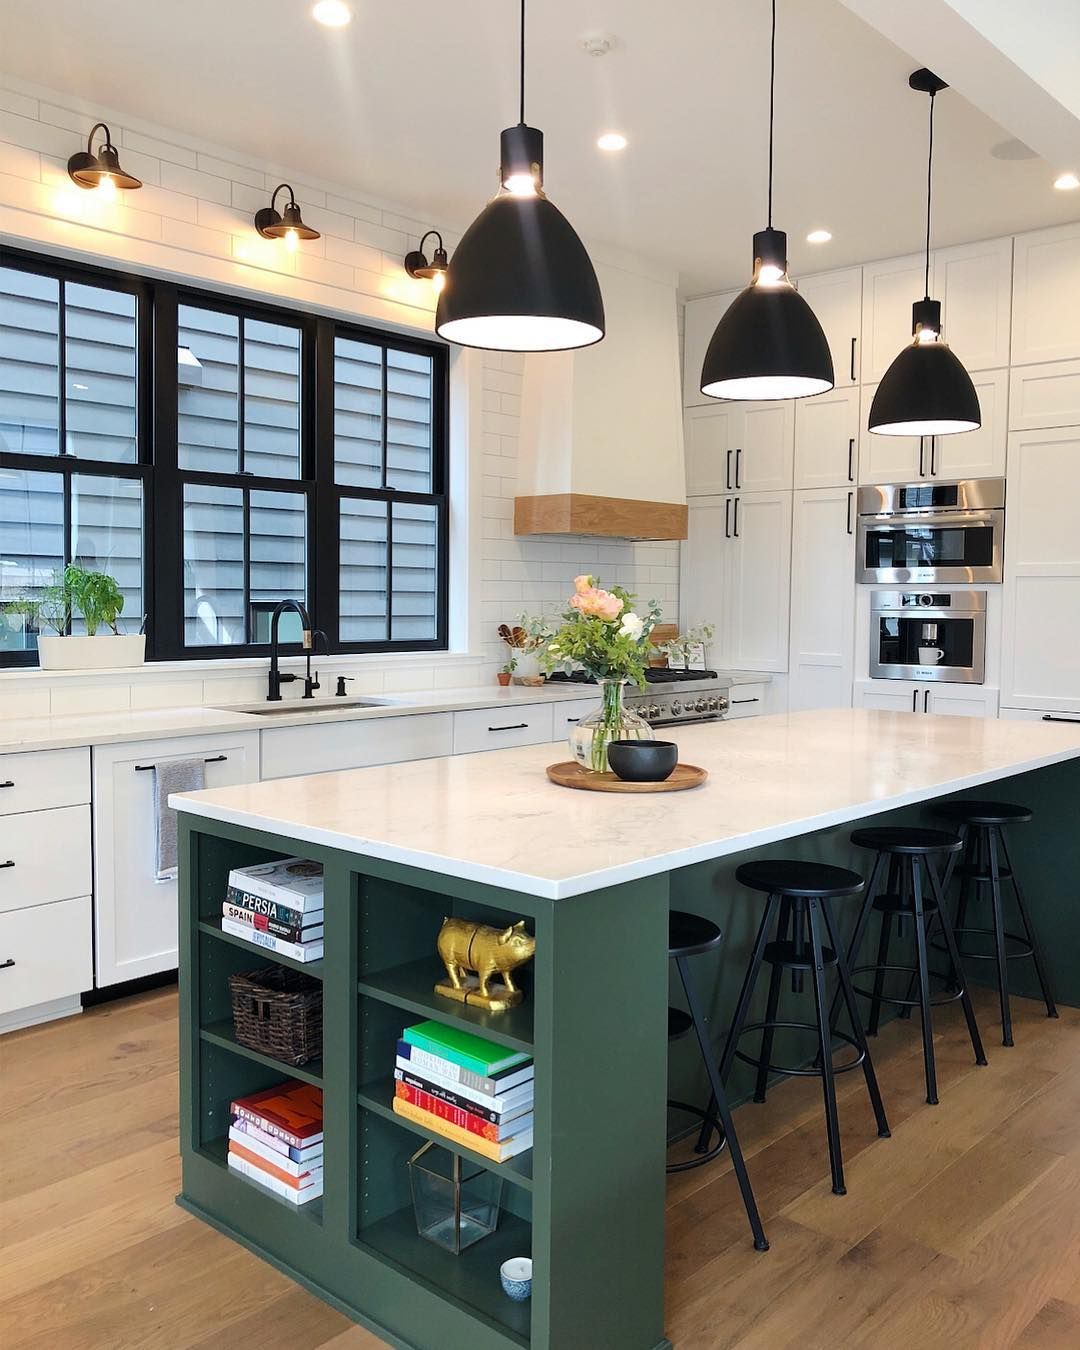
column 291, row 1111
column 455, row 1115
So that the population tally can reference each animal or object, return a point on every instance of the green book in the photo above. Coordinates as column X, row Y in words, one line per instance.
column 462, row 1047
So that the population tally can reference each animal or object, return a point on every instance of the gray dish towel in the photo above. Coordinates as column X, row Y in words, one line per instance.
column 173, row 775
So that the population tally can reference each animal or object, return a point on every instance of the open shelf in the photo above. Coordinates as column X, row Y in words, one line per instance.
column 411, row 987
column 213, row 928
column 217, row 1151
column 223, row 1035
column 470, row 1280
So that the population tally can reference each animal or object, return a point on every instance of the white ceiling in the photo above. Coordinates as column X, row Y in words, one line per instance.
column 407, row 103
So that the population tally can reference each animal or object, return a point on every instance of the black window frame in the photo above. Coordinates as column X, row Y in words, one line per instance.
column 163, row 480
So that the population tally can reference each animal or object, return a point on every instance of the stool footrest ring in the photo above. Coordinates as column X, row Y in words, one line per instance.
column 1023, row 946
column 700, row 1159
column 800, row 1072
column 938, row 1001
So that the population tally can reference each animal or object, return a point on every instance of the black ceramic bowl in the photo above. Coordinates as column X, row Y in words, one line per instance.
column 643, row 761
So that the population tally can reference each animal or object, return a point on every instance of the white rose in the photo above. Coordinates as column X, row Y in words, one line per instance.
column 631, row 627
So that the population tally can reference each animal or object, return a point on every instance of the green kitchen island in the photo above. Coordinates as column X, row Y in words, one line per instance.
column 486, row 836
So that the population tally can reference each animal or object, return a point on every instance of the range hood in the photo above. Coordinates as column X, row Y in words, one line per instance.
column 601, row 444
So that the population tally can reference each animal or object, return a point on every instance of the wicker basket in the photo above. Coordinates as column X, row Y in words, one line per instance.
column 278, row 1012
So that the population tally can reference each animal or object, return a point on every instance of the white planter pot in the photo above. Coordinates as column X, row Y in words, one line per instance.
column 528, row 665
column 101, row 652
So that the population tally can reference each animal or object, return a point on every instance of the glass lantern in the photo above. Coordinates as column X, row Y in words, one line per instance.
column 456, row 1202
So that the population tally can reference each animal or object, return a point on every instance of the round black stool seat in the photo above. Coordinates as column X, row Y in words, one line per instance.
column 906, row 839
column 690, row 934
column 800, row 880
column 984, row 813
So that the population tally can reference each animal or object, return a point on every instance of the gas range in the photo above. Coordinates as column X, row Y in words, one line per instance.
column 673, row 697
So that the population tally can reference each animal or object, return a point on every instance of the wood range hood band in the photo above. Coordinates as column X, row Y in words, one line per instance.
column 613, row 517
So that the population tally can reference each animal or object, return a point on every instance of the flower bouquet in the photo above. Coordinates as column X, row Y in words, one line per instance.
column 602, row 634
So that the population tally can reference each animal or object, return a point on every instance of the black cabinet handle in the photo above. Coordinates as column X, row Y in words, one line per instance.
column 518, row 726
column 922, row 455
column 10, row 783
column 745, row 700
column 735, row 526
column 851, row 459
column 926, row 700
column 853, row 341
column 933, row 456
column 914, row 700
column 1072, row 721
column 727, row 477
column 10, row 863
column 5, row 964
column 214, row 759
column 850, row 528
column 738, row 467
column 573, row 719
column 727, row 518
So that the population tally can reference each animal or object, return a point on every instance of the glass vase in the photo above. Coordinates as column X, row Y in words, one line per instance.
column 612, row 721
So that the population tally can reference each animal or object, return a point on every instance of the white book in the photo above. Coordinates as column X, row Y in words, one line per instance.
column 310, row 1167
column 247, row 1129
column 295, row 882
column 309, row 951
column 291, row 1193
column 514, row 1102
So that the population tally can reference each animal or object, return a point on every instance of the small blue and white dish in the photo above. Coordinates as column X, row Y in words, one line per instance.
column 516, row 1276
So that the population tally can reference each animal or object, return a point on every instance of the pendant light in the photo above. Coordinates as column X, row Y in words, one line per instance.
column 926, row 391
column 768, row 344
column 288, row 224
column 520, row 279
column 101, row 170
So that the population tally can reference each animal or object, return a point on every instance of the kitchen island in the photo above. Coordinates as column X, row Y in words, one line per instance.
column 593, row 875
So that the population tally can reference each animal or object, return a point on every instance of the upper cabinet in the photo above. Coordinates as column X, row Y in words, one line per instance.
column 974, row 284
column 699, row 322
column 712, row 434
column 1046, row 295
column 745, row 447
column 1045, row 396
column 890, row 288
column 827, row 439
column 836, row 299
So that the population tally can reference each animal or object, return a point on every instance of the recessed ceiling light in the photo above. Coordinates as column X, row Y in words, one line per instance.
column 818, row 237
column 612, row 140
column 332, row 13
column 1067, row 182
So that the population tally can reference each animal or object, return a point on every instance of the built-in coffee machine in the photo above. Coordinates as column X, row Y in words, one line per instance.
column 928, row 635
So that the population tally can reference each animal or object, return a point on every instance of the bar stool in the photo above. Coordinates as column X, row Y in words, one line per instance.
column 798, row 907
column 690, row 935
column 909, row 851
column 980, row 827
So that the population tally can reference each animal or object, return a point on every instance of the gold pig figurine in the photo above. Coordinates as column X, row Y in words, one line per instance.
column 466, row 947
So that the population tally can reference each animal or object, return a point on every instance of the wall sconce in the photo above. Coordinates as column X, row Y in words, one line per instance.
column 288, row 224
column 417, row 265
column 101, row 170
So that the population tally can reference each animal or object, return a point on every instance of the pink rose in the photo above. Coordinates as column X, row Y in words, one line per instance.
column 593, row 600
column 582, row 585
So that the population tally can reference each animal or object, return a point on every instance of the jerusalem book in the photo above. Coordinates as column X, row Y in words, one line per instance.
column 287, row 1192
column 494, row 1109
column 509, row 1148
column 294, row 1167
column 278, row 1168
column 462, row 1047
column 291, row 1111
column 422, row 1061
column 464, row 1120
column 285, row 932
column 277, row 910
column 298, row 951
column 294, row 882
column 247, row 1129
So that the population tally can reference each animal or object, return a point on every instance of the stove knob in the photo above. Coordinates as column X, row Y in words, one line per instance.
column 702, row 705
column 653, row 710
column 723, row 703
column 714, row 705
column 676, row 708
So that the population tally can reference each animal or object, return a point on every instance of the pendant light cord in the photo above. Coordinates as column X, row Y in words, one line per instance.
column 929, row 192
column 772, row 101
column 521, row 106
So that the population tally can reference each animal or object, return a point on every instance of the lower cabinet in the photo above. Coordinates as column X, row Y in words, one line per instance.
column 46, row 955
column 955, row 700
column 746, row 700
column 1037, row 715
column 498, row 728
column 290, row 751
column 566, row 716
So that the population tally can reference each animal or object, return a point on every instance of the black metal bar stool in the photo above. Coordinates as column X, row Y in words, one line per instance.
column 690, row 935
column 909, row 851
column 798, row 907
column 985, row 863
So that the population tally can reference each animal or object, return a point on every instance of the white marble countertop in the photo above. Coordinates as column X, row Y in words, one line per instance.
column 494, row 817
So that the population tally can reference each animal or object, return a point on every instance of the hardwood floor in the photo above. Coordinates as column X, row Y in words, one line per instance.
column 963, row 1230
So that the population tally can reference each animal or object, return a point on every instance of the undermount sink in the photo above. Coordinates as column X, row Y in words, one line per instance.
column 288, row 708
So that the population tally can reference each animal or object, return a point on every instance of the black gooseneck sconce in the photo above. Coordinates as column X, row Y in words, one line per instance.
column 101, row 170
column 417, row 264
column 287, row 224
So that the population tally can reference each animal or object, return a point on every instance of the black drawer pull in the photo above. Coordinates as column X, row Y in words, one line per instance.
column 1072, row 721
column 9, row 962
column 746, row 700
column 10, row 783
column 10, row 863
column 518, row 726
column 214, row 759
column 573, row 719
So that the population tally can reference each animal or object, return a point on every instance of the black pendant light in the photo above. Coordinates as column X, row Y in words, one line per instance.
column 520, row 280
column 926, row 391
column 417, row 263
column 100, row 170
column 287, row 224
column 768, row 344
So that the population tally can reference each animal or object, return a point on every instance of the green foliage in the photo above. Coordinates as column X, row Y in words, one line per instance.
column 680, row 650
column 94, row 595
column 607, row 645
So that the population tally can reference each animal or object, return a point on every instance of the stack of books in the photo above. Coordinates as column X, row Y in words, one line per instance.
column 466, row 1089
column 278, row 906
column 276, row 1139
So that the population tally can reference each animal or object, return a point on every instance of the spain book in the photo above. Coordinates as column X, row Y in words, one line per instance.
column 509, row 1148
column 462, row 1047
column 286, row 932
column 464, row 1120
column 291, row 1111
column 423, row 1061
column 494, row 1109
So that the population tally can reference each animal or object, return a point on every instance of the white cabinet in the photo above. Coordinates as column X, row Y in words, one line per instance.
column 887, row 459
column 974, row 284
column 890, row 288
column 746, row 700
column 712, row 434
column 289, row 751
column 836, row 299
column 50, row 948
column 822, row 599
column 700, row 318
column 135, row 916
column 566, row 714
column 1046, row 295
column 1038, row 715
column 950, row 700
column 827, row 439
column 1045, row 396
column 497, row 728
column 44, row 856
column 745, row 447
column 40, row 779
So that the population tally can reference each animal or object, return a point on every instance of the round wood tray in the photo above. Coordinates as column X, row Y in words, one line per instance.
column 572, row 775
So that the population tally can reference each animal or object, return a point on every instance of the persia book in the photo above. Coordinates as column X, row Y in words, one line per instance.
column 241, row 1140
column 298, row 951
column 462, row 1047
column 509, row 1148
column 464, row 1120
column 494, row 1109
column 425, row 1062
column 286, row 932
column 291, row 1111
column 294, row 882
column 247, row 1129
column 277, row 910
column 287, row 1192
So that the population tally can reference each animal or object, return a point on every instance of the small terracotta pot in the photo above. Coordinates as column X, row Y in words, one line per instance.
column 503, row 677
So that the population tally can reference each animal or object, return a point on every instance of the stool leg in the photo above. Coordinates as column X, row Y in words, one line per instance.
column 999, row 940
column 828, row 1084
column 879, row 973
column 856, row 1022
column 924, row 983
column 719, row 1104
column 970, row 857
column 1021, row 905
column 954, row 957
column 904, row 874
column 768, row 1031
column 855, row 944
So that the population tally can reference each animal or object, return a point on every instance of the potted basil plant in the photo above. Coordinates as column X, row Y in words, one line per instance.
column 98, row 600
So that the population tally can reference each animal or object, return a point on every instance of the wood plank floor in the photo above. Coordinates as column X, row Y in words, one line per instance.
column 963, row 1230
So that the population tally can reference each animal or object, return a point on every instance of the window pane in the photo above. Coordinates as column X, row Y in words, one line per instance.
column 408, row 421
column 357, row 413
column 278, row 550
column 362, row 579
column 31, row 548
column 271, row 399
column 29, row 363
column 208, row 356
column 99, row 355
column 415, row 575
column 107, row 536
column 213, row 566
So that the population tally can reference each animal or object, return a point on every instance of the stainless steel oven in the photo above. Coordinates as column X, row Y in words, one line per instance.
column 931, row 533
column 928, row 635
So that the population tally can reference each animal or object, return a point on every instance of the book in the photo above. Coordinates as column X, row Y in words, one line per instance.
column 280, row 1188
column 247, row 1129
column 293, row 882
column 298, row 951
column 462, row 1047
column 276, row 910
column 509, row 1148
column 281, row 1169
column 291, row 1111
column 513, row 1103
column 424, row 1061
column 286, row 932
column 269, row 1154
column 465, row 1120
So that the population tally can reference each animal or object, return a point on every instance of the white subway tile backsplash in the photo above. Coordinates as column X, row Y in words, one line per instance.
column 167, row 694
column 151, row 145
column 69, row 699
column 24, row 703
column 181, row 178
column 23, row 104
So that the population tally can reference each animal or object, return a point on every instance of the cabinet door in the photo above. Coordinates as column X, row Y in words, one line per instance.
column 758, row 582
column 827, row 439
column 700, row 318
column 1044, row 396
column 889, row 290
column 974, row 284
column 959, row 702
column 822, row 634
column 836, row 299
column 888, row 696
column 705, row 556
column 1046, row 295
column 766, row 447
column 712, row 433
column 981, row 453
column 888, row 459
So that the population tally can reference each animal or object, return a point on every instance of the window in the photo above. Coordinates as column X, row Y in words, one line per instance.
column 216, row 458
